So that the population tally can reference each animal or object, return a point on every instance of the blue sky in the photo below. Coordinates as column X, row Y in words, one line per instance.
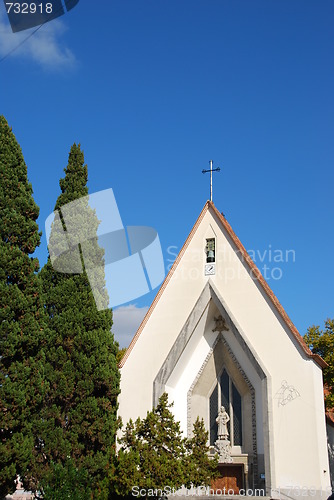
column 155, row 89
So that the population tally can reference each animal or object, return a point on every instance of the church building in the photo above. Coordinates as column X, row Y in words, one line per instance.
column 218, row 341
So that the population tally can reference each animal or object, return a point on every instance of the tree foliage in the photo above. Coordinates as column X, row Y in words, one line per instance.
column 199, row 468
column 120, row 354
column 64, row 482
column 154, row 454
column 322, row 342
column 21, row 313
column 76, row 428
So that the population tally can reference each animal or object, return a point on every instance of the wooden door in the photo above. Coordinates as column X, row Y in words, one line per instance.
column 230, row 478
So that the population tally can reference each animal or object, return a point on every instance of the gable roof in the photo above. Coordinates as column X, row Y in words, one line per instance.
column 255, row 273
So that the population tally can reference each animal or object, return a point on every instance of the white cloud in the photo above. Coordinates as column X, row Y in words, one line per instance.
column 126, row 322
column 44, row 47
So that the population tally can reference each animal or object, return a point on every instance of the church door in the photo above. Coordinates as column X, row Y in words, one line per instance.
column 230, row 479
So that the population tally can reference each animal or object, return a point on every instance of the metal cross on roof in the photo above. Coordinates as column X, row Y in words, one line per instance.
column 211, row 170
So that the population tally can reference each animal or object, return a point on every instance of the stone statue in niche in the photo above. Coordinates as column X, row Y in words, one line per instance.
column 223, row 445
column 222, row 421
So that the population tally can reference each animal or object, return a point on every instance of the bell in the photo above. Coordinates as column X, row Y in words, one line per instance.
column 210, row 256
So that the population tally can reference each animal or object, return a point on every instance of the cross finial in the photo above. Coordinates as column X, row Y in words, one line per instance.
column 211, row 170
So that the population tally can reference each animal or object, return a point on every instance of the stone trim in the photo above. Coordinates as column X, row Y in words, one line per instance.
column 180, row 343
column 221, row 338
column 189, row 394
column 252, row 392
column 236, row 330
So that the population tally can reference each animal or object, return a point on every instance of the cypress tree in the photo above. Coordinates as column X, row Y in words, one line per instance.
column 21, row 313
column 78, row 423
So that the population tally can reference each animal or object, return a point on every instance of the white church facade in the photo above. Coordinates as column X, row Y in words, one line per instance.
column 216, row 336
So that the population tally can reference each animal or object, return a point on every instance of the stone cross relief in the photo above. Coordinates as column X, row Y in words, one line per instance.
column 220, row 325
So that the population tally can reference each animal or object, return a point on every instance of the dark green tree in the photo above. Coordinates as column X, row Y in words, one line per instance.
column 154, row 456
column 76, row 429
column 64, row 482
column 200, row 467
column 21, row 313
column 322, row 342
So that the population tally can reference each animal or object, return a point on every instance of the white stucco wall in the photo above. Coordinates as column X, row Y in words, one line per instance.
column 330, row 445
column 186, row 369
column 297, row 430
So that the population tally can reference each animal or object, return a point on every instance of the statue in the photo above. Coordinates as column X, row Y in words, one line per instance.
column 222, row 421
column 223, row 445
